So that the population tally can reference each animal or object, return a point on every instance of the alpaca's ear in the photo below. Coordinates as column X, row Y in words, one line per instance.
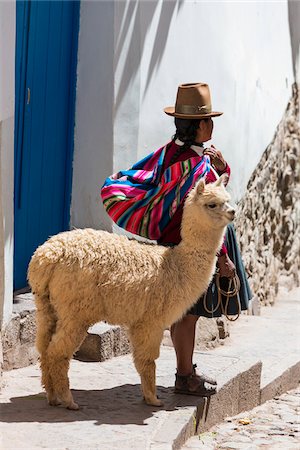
column 222, row 180
column 200, row 186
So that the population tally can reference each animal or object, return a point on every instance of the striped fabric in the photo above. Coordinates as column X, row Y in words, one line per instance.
column 143, row 199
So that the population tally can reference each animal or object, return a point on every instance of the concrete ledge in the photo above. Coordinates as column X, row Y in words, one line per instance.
column 239, row 394
column 287, row 380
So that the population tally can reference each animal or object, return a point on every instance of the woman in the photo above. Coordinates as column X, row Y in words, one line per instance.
column 148, row 199
column 194, row 127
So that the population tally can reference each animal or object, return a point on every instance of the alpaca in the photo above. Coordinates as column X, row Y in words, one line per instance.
column 81, row 277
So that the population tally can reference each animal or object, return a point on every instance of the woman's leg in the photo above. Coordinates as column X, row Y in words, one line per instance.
column 183, row 338
column 187, row 380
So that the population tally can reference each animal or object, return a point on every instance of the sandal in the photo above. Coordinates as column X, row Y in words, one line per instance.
column 194, row 384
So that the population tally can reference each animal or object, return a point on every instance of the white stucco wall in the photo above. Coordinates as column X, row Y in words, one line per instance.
column 242, row 49
column 7, row 102
column 93, row 148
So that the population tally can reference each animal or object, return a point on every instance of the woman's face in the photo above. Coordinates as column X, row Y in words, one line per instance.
column 205, row 130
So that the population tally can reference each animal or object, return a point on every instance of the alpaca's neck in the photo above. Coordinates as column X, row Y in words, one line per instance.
column 200, row 233
column 201, row 246
column 195, row 259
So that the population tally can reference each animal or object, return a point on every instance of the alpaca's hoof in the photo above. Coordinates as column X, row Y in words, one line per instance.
column 153, row 402
column 54, row 402
column 73, row 406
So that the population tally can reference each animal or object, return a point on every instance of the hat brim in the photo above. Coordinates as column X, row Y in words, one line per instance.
column 170, row 110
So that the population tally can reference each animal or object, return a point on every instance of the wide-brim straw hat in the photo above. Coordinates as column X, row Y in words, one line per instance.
column 192, row 102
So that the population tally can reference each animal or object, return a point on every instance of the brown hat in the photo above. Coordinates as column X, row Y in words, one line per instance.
column 192, row 102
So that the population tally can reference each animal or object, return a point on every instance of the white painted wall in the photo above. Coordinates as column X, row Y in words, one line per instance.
column 242, row 49
column 93, row 152
column 7, row 102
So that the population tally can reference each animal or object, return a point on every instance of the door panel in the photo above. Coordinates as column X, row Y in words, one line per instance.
column 43, row 155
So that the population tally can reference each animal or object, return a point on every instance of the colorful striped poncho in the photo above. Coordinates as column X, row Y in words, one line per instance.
column 144, row 198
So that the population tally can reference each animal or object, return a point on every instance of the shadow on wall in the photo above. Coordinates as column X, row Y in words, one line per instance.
column 294, row 19
column 141, row 14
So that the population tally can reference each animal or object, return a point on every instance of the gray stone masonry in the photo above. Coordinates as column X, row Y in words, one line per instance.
column 268, row 216
column 259, row 360
column 19, row 334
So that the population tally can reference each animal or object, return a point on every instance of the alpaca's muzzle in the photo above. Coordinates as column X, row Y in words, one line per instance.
column 230, row 212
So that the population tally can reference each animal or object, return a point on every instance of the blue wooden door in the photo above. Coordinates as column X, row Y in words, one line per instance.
column 46, row 56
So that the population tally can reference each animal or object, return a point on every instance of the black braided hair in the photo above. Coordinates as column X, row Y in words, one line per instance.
column 186, row 131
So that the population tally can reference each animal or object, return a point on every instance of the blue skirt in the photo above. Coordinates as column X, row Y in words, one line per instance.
column 207, row 304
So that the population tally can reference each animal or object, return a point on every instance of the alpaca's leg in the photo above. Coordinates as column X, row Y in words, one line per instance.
column 145, row 348
column 46, row 326
column 52, row 397
column 63, row 345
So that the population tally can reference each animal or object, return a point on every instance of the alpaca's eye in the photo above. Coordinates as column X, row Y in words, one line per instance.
column 212, row 205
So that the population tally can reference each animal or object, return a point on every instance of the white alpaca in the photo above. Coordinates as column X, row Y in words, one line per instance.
column 82, row 277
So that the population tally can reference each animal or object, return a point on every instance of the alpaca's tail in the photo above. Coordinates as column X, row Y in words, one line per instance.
column 42, row 265
column 46, row 322
column 40, row 271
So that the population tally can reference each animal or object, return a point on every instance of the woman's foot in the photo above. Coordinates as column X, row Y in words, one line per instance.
column 194, row 384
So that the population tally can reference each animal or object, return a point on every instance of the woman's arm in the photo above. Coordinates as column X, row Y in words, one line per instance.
column 217, row 160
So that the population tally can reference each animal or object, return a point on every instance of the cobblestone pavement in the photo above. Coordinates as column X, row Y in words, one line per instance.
column 275, row 425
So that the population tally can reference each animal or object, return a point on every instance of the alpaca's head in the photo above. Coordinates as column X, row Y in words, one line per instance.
column 207, row 207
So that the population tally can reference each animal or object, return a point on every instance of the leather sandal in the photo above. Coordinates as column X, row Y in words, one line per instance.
column 194, row 384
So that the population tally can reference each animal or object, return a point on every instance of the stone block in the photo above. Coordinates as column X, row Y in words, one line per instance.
column 103, row 342
column 240, row 393
column 19, row 356
column 121, row 344
column 249, row 388
column 223, row 328
column 19, row 341
column 89, row 349
column 207, row 333
column 28, row 328
column 288, row 379
column 106, row 345
column 224, row 403
column 11, row 333
column 174, row 430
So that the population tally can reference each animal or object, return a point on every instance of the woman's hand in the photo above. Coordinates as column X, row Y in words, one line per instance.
column 226, row 266
column 216, row 158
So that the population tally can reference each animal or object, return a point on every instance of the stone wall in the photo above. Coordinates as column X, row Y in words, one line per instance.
column 18, row 341
column 268, row 218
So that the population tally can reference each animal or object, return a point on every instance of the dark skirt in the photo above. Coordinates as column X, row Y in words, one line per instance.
column 211, row 296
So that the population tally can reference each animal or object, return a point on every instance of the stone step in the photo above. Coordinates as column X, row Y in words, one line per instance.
column 113, row 415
